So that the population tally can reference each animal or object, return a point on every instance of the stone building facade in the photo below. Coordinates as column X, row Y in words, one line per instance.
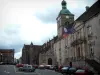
column 65, row 17
column 7, row 56
column 47, row 55
column 30, row 54
column 82, row 47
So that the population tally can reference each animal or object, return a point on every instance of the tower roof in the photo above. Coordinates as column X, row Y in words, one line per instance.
column 64, row 9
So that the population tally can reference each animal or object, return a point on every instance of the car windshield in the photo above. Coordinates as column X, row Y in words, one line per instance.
column 29, row 66
column 25, row 66
column 65, row 67
column 72, row 68
column 80, row 71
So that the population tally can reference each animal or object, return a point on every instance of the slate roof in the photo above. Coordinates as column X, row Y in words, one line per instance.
column 93, row 10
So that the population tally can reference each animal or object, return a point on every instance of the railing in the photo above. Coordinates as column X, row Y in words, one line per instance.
column 76, row 58
column 93, row 57
column 97, row 59
column 78, row 41
column 94, row 64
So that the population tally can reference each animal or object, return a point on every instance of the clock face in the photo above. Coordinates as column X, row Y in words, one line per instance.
column 67, row 16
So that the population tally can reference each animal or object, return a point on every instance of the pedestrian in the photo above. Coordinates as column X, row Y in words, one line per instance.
column 70, row 64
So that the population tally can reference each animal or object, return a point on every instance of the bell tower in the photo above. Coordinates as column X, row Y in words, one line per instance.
column 65, row 17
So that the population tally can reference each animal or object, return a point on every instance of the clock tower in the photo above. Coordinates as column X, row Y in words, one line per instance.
column 65, row 17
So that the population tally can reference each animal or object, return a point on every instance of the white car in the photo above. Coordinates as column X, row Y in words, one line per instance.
column 28, row 68
column 41, row 67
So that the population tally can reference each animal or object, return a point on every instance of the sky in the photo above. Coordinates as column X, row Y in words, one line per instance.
column 26, row 21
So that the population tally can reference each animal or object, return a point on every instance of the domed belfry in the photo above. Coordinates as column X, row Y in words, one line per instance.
column 65, row 17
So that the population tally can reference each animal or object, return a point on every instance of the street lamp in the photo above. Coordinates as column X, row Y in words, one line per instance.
column 1, row 57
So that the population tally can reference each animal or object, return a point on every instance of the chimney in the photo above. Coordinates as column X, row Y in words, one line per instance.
column 87, row 7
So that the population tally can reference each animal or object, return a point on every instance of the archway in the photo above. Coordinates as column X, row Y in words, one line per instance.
column 49, row 61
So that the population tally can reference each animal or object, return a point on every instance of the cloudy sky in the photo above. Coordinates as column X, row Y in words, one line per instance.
column 23, row 21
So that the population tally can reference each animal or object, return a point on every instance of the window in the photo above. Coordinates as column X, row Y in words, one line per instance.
column 89, row 29
column 59, row 21
column 67, row 23
column 78, row 34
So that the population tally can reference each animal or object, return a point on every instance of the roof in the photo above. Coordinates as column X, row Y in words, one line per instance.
column 55, row 38
column 64, row 10
column 26, row 46
column 93, row 10
column 6, row 50
column 37, row 46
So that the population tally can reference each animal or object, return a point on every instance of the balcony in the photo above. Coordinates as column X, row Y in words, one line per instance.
column 79, row 58
column 78, row 41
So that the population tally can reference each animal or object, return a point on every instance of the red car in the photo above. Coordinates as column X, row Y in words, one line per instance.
column 60, row 68
column 19, row 65
column 36, row 66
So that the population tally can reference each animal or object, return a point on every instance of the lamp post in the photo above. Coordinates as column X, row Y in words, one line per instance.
column 1, row 57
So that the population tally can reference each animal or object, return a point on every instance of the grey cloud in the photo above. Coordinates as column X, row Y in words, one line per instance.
column 10, row 38
column 48, row 16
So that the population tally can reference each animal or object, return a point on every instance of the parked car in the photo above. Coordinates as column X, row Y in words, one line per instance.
column 65, row 69
column 28, row 68
column 19, row 65
column 56, row 68
column 20, row 68
column 83, row 72
column 36, row 66
column 72, row 70
column 60, row 68
column 41, row 67
column 47, row 66
column 1, row 63
column 52, row 67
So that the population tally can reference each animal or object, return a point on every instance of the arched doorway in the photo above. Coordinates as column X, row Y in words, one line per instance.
column 49, row 61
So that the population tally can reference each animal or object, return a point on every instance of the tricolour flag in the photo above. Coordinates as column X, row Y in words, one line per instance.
column 68, row 30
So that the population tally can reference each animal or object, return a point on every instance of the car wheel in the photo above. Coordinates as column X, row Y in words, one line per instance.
column 64, row 73
column 30, row 70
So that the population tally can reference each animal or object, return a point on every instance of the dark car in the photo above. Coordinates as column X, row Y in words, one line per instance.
column 56, row 68
column 20, row 68
column 65, row 69
column 72, row 70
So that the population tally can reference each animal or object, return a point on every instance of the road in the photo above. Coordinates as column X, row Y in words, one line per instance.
column 12, row 70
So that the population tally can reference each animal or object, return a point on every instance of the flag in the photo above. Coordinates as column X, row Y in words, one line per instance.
column 68, row 30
